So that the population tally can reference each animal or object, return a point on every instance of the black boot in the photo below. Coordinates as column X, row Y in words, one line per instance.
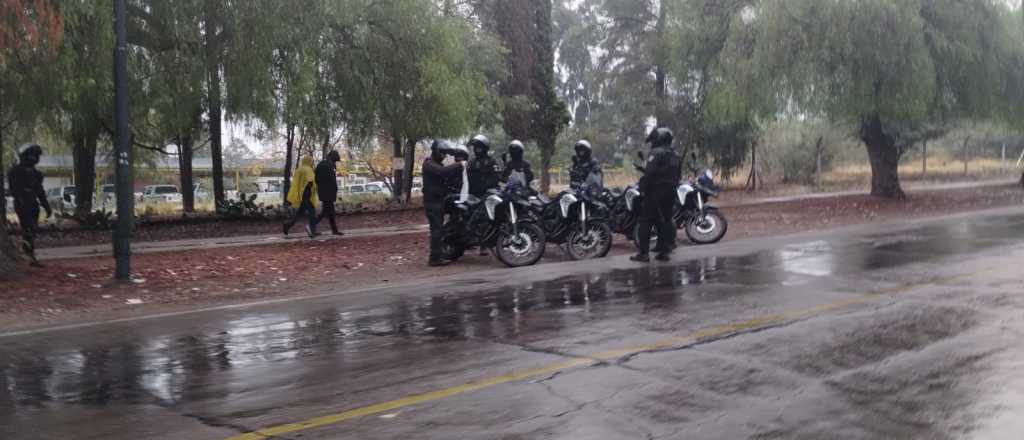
column 641, row 258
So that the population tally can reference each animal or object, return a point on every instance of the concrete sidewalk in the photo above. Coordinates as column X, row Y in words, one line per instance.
column 259, row 240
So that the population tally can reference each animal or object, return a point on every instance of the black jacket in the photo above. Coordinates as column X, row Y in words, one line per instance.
column 521, row 166
column 581, row 170
column 27, row 187
column 326, row 181
column 663, row 172
column 435, row 179
column 483, row 175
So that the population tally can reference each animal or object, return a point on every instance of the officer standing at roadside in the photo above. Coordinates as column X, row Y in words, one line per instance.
column 658, row 186
column 435, row 189
column 28, row 194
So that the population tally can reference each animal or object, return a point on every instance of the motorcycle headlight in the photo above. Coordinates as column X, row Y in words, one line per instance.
column 491, row 204
column 566, row 202
column 631, row 196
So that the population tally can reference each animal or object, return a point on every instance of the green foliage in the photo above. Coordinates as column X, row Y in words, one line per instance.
column 245, row 207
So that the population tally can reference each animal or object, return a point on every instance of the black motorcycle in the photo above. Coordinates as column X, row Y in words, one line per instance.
column 577, row 220
column 623, row 209
column 500, row 222
column 703, row 223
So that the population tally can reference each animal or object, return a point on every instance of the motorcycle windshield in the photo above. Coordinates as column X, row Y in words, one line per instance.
column 516, row 180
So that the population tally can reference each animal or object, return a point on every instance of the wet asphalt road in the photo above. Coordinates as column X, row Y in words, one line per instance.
column 908, row 331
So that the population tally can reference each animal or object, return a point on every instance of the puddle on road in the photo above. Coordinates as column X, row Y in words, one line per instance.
column 128, row 368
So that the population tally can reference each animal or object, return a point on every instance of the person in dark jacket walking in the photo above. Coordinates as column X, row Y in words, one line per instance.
column 435, row 190
column 658, row 185
column 327, row 189
column 583, row 164
column 484, row 174
column 28, row 194
column 517, row 164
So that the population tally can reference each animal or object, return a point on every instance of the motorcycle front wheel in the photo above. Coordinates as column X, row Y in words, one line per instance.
column 593, row 241
column 707, row 230
column 522, row 249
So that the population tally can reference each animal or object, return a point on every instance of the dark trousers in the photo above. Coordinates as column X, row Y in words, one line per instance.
column 328, row 212
column 28, row 219
column 657, row 213
column 435, row 217
column 307, row 209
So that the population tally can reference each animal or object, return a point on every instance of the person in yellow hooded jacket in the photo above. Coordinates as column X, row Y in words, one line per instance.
column 302, row 195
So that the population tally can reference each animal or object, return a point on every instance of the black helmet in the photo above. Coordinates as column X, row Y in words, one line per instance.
column 30, row 150
column 516, row 150
column 480, row 143
column 333, row 157
column 660, row 137
column 583, row 149
column 459, row 152
column 441, row 146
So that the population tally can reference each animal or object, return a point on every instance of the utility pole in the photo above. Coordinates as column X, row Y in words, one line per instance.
column 123, row 151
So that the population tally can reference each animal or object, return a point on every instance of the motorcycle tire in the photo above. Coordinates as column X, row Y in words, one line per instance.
column 450, row 250
column 524, row 250
column 710, row 231
column 595, row 244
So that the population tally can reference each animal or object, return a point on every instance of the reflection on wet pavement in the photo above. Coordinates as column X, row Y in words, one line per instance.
column 126, row 368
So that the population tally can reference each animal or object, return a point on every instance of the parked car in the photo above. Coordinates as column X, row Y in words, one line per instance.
column 61, row 198
column 200, row 193
column 378, row 188
column 107, row 200
column 161, row 193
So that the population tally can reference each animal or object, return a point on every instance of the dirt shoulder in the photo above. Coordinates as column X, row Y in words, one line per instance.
column 80, row 289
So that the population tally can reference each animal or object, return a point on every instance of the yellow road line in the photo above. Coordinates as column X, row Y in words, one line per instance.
column 709, row 333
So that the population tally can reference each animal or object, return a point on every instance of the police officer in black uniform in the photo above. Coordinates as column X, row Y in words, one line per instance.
column 658, row 186
column 517, row 163
column 28, row 194
column 483, row 169
column 583, row 164
column 436, row 177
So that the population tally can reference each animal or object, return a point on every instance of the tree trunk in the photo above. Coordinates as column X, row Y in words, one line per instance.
column 188, row 195
column 967, row 154
column 660, row 78
column 410, row 158
column 885, row 159
column 817, row 167
column 547, row 150
column 924, row 159
column 397, row 164
column 214, row 49
column 288, row 148
column 752, row 179
column 84, row 153
column 8, row 255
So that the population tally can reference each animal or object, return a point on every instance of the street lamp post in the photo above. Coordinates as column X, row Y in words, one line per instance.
column 122, row 151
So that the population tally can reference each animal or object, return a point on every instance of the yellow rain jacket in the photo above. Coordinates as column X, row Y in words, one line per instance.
column 304, row 176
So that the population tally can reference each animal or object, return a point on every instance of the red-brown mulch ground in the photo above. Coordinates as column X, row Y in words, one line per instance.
column 78, row 289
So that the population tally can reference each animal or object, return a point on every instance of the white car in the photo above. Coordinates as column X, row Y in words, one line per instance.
column 161, row 193
column 61, row 198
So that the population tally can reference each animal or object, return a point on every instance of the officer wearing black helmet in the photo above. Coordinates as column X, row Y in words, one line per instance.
column 483, row 169
column 435, row 190
column 658, row 186
column 28, row 194
column 583, row 164
column 454, row 181
column 517, row 163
